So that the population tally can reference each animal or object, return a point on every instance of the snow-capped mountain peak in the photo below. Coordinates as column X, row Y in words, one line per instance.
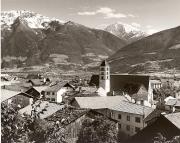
column 125, row 31
column 33, row 19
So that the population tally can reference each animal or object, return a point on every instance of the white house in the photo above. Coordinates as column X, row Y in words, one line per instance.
column 55, row 92
column 130, row 116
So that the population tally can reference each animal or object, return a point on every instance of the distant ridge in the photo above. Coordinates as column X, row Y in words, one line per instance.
column 159, row 52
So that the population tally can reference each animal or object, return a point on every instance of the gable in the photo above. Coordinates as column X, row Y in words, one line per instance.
column 161, row 125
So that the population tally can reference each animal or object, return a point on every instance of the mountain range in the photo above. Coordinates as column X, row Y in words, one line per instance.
column 32, row 39
column 156, row 53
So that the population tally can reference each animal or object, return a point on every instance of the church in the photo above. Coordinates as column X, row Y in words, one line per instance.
column 137, row 88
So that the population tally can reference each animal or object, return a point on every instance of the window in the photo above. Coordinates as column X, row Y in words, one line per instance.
column 102, row 68
column 107, row 77
column 53, row 93
column 119, row 116
column 137, row 129
column 107, row 68
column 137, row 119
column 119, row 126
column 48, row 98
column 128, row 118
column 128, row 128
column 52, row 99
column 102, row 77
column 47, row 93
column 142, row 102
column 102, row 73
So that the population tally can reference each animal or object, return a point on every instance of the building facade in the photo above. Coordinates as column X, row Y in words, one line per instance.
column 55, row 92
column 104, row 77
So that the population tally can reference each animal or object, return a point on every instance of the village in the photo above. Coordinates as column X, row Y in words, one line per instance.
column 139, row 106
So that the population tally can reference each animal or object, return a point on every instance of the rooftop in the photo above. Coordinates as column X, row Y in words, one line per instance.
column 118, row 103
column 40, row 88
column 98, row 102
column 57, row 86
column 128, row 107
column 66, row 116
column 45, row 108
column 104, row 63
column 6, row 94
column 174, row 118
column 173, row 102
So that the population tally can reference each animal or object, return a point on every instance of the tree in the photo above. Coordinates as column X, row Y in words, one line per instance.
column 12, row 125
column 165, row 91
column 99, row 130
column 159, row 138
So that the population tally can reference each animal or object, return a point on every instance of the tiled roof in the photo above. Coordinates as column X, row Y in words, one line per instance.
column 154, row 114
column 6, row 94
column 37, row 82
column 40, row 88
column 128, row 107
column 129, row 84
column 56, row 87
column 174, row 118
column 118, row 103
column 67, row 115
column 15, row 87
column 98, row 102
column 45, row 108
column 173, row 102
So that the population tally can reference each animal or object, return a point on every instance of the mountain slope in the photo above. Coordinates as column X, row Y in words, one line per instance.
column 79, row 43
column 126, row 32
column 56, row 43
column 155, row 53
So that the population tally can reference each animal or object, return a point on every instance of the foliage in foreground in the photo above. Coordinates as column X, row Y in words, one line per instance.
column 99, row 130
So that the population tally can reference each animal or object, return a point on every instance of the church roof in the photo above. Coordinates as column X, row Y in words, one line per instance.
column 104, row 63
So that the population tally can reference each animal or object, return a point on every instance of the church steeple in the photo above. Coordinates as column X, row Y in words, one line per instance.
column 104, row 76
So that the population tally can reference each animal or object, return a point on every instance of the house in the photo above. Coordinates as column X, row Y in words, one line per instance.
column 173, row 105
column 130, row 116
column 125, row 84
column 20, row 99
column 55, row 92
column 167, row 126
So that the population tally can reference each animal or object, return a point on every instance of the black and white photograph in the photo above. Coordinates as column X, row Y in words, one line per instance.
column 90, row 71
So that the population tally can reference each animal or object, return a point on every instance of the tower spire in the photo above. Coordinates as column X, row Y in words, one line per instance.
column 104, row 76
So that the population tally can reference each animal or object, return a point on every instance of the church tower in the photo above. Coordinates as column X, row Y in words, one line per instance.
column 104, row 76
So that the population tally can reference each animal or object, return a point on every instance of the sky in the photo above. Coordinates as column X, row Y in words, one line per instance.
column 148, row 15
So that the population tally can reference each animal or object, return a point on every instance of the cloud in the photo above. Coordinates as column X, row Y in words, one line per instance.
column 107, row 12
column 136, row 24
column 131, row 15
column 87, row 13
